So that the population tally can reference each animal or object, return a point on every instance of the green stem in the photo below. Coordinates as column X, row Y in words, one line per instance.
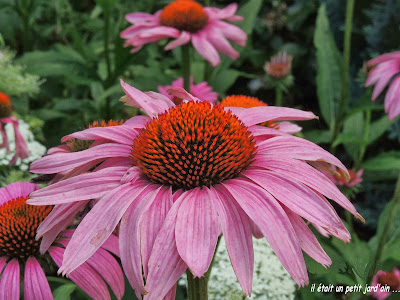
column 345, row 75
column 186, row 67
column 278, row 96
column 365, row 139
column 386, row 229
column 197, row 287
column 107, row 57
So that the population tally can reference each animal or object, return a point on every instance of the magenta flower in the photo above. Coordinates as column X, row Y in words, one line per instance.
column 174, row 180
column 339, row 178
column 386, row 67
column 21, row 148
column 202, row 90
column 18, row 247
column 382, row 278
column 185, row 21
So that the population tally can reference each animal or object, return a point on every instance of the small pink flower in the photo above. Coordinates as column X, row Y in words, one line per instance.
column 185, row 21
column 339, row 178
column 386, row 67
column 202, row 91
column 6, row 117
column 280, row 65
column 18, row 247
column 383, row 278
column 177, row 179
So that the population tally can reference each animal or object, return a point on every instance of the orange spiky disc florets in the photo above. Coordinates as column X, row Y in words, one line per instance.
column 247, row 102
column 18, row 224
column 186, row 15
column 5, row 106
column 192, row 145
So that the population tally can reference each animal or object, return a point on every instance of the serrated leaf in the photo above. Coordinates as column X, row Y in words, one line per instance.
column 384, row 161
column 329, row 61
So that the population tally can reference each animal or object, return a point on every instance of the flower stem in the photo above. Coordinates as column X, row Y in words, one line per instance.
column 364, row 144
column 186, row 67
column 197, row 287
column 386, row 229
column 345, row 73
column 278, row 96
column 107, row 57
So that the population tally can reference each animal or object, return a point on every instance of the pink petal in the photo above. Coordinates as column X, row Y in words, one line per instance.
column 206, row 49
column 221, row 43
column 36, row 286
column 138, row 121
column 10, row 282
column 16, row 190
column 152, row 105
column 129, row 234
column 85, row 277
column 81, row 187
column 59, row 162
column 299, row 198
column 3, row 260
column 152, row 222
column 165, row 264
column 196, row 230
column 255, row 230
column 273, row 223
column 289, row 127
column 237, row 234
column 392, row 99
column 182, row 93
column 384, row 58
column 106, row 265
column 231, row 32
column 256, row 115
column 224, row 13
column 98, row 225
column 308, row 242
column 184, row 38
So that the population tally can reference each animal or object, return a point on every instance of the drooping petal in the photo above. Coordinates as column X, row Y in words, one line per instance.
column 98, row 225
column 392, row 99
column 36, row 286
column 85, row 277
column 273, row 222
column 237, row 234
column 196, row 230
column 206, row 49
column 165, row 264
column 59, row 162
column 308, row 242
column 129, row 234
column 184, row 38
column 82, row 187
column 220, row 43
column 10, row 282
column 289, row 127
column 383, row 58
column 182, row 93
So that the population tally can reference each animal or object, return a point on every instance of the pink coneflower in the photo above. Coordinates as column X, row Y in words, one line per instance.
column 385, row 68
column 248, row 102
column 175, row 179
column 185, row 21
column 18, row 248
column 6, row 117
column 280, row 65
column 383, row 278
column 339, row 178
column 202, row 91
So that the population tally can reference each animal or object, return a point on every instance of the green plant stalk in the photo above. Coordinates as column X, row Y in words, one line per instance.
column 365, row 139
column 107, row 57
column 345, row 75
column 386, row 229
column 278, row 95
column 186, row 67
column 197, row 287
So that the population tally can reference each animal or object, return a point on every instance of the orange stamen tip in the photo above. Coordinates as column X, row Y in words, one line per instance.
column 185, row 15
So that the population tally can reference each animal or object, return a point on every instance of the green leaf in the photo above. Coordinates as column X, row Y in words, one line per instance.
column 353, row 126
column 329, row 61
column 318, row 136
column 249, row 12
column 378, row 128
column 348, row 139
column 224, row 80
column 64, row 292
column 384, row 161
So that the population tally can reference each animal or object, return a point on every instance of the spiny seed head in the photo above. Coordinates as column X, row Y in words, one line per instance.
column 18, row 224
column 5, row 106
column 185, row 15
column 192, row 145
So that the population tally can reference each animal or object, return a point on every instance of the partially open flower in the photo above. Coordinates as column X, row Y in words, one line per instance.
column 339, row 178
column 202, row 91
column 6, row 116
column 18, row 248
column 185, row 21
column 386, row 279
column 279, row 66
column 248, row 102
column 385, row 68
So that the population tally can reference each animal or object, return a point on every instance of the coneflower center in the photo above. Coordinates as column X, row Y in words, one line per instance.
column 192, row 145
column 389, row 279
column 5, row 106
column 18, row 225
column 186, row 15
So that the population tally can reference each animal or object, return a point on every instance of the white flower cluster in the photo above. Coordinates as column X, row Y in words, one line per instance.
column 36, row 149
column 270, row 278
